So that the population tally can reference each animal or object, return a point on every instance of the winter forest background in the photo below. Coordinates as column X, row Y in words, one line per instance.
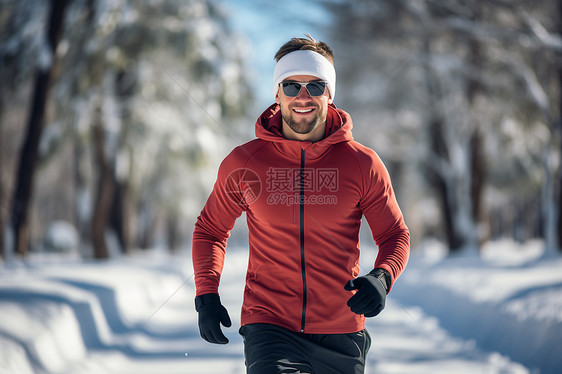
column 114, row 117
column 115, row 114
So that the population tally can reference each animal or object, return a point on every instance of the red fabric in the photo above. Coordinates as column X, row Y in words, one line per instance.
column 343, row 181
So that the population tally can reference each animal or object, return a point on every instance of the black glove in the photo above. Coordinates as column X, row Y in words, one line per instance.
column 211, row 315
column 371, row 293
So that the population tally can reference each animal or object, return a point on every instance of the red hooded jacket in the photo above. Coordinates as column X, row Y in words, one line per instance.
column 303, row 202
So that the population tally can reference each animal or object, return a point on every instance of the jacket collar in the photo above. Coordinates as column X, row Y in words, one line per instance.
column 338, row 129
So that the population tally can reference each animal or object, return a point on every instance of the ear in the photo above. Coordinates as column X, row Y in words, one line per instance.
column 330, row 101
column 277, row 99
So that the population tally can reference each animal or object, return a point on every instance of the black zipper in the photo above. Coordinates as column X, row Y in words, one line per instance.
column 303, row 270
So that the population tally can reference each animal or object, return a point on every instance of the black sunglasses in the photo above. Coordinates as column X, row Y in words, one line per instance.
column 293, row 89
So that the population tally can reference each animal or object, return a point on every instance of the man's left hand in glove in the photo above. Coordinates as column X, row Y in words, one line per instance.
column 371, row 292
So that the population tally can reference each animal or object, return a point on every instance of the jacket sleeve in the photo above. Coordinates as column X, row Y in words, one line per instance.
column 380, row 208
column 212, row 229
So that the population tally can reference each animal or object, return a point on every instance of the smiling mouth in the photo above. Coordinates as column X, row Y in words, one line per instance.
column 303, row 110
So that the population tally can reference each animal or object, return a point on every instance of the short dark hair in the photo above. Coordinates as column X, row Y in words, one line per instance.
column 308, row 43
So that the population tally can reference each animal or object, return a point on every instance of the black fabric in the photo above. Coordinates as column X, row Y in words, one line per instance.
column 271, row 349
column 384, row 277
column 370, row 297
column 211, row 315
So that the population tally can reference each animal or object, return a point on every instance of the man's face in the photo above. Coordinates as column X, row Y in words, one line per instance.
column 304, row 113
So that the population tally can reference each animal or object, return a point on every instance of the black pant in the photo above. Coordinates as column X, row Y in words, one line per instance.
column 271, row 349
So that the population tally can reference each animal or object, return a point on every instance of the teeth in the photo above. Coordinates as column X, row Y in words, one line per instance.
column 302, row 110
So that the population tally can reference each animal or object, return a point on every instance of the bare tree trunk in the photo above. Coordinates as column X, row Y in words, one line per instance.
column 29, row 154
column 476, row 148
column 3, row 201
column 104, row 193
column 172, row 231
column 80, row 186
column 560, row 135
column 558, row 192
column 459, row 191
column 148, row 222
column 125, row 84
column 82, row 216
column 440, row 184
column 120, row 217
column 440, row 148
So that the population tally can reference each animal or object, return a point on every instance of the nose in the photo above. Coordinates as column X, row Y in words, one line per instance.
column 303, row 94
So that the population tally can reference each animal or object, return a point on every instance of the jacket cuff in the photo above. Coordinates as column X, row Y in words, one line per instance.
column 208, row 298
column 382, row 275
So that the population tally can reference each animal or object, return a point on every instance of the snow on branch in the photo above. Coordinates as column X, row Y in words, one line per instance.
column 536, row 37
column 533, row 86
column 548, row 39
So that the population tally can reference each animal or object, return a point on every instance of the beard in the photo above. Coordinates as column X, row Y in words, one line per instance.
column 303, row 126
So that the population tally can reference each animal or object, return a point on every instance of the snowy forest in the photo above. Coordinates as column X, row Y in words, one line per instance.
column 462, row 99
column 114, row 118
column 114, row 115
column 113, row 112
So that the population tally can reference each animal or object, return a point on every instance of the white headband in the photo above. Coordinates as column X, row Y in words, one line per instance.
column 305, row 62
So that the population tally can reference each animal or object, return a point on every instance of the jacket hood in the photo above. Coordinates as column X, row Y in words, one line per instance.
column 338, row 129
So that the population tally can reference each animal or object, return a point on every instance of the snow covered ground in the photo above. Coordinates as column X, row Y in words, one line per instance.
column 498, row 314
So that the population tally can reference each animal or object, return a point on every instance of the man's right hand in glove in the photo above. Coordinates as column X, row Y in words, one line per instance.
column 211, row 314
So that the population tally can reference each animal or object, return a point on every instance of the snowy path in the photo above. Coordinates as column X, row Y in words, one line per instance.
column 404, row 342
column 136, row 316
column 407, row 341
